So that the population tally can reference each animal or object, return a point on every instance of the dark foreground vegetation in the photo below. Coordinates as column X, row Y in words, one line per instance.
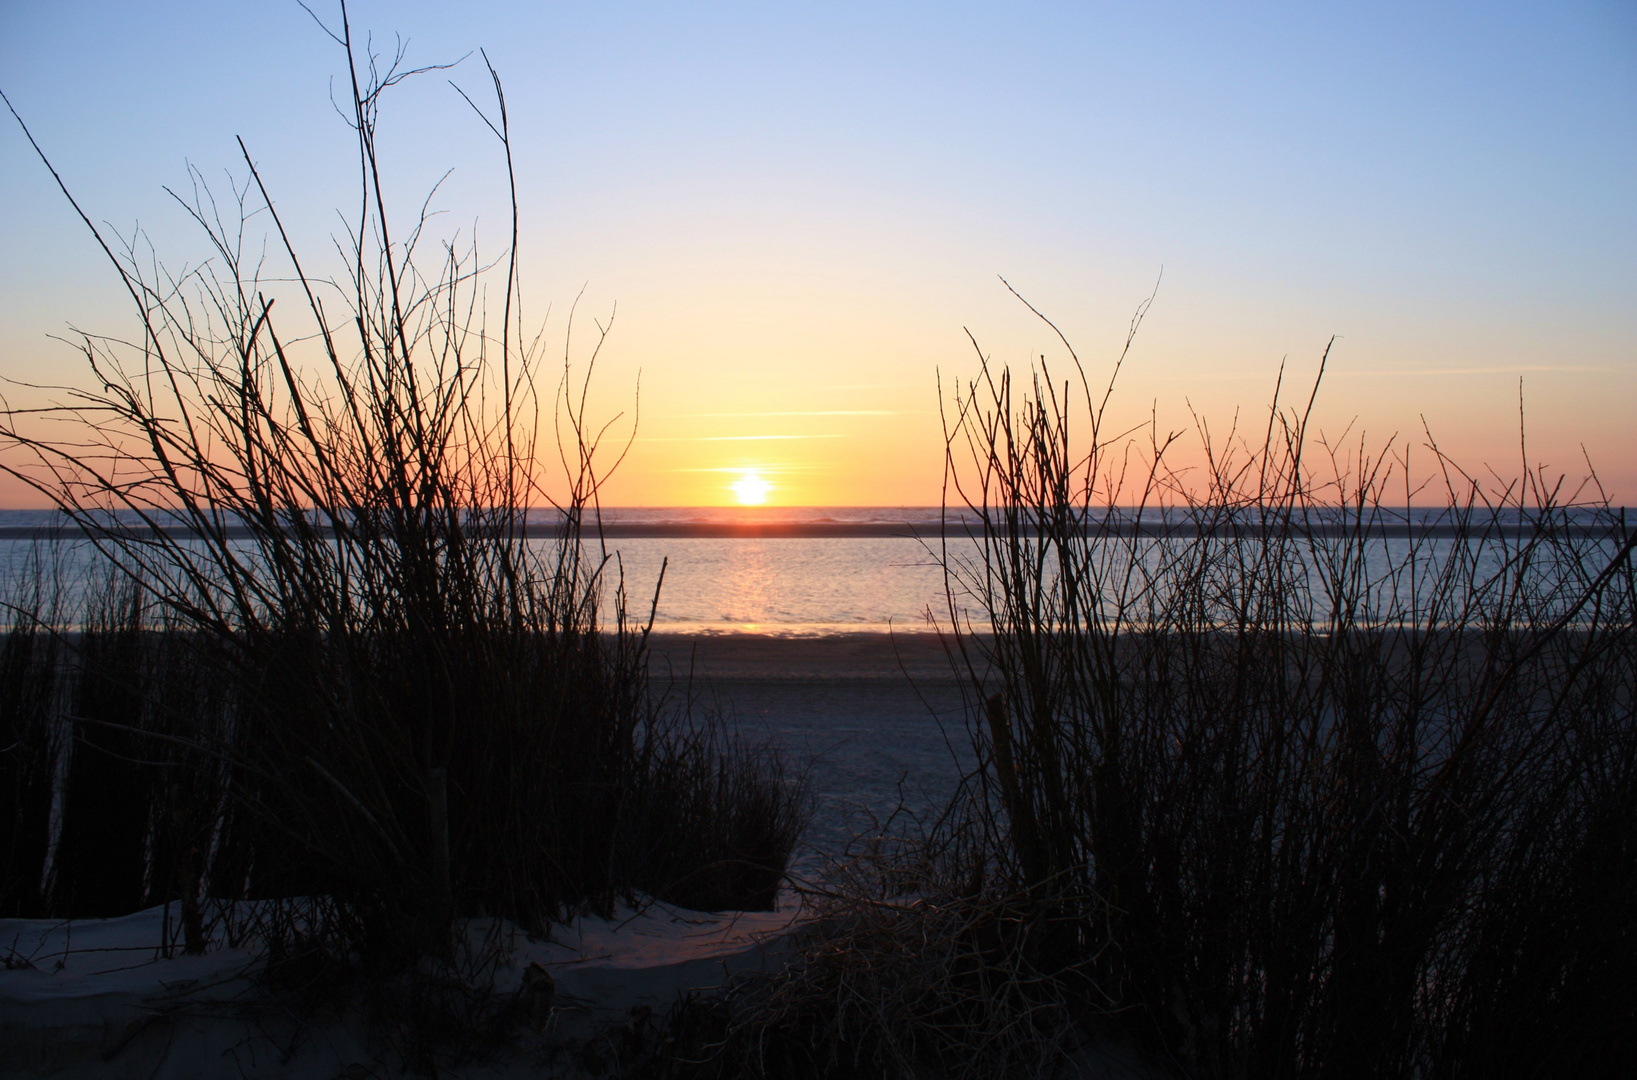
column 326, row 665
column 178, row 783
column 1265, row 790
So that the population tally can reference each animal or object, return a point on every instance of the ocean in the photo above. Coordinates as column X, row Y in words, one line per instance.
column 778, row 571
column 727, row 580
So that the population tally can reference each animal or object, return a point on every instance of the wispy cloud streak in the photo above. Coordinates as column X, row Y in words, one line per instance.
column 825, row 412
column 1513, row 369
column 1341, row 373
column 734, row 438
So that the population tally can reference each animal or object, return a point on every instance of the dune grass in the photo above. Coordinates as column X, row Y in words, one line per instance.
column 338, row 664
column 1276, row 777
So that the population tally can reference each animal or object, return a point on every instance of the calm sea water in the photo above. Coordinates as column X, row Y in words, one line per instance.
column 874, row 569
column 769, row 585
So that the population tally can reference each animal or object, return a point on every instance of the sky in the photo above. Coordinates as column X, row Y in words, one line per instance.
column 796, row 213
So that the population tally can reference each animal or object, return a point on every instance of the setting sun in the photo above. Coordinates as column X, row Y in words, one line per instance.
column 750, row 489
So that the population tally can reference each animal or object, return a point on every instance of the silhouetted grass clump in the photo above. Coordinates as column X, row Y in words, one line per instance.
column 1278, row 776
column 718, row 821
column 338, row 665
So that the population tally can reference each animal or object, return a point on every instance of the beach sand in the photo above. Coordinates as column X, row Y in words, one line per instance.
column 90, row 998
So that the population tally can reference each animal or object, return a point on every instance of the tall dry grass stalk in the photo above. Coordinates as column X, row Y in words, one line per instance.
column 315, row 492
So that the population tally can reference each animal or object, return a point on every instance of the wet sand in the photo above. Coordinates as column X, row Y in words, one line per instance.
column 864, row 657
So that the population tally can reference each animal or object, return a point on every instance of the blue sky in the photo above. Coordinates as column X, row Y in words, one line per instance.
column 798, row 208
